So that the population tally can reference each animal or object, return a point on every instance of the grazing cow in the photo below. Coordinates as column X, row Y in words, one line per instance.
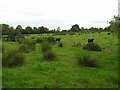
column 108, row 33
column 58, row 39
column 90, row 40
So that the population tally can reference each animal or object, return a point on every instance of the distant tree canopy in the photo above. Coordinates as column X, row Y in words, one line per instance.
column 14, row 35
column 5, row 29
column 114, row 27
column 75, row 28
column 115, row 24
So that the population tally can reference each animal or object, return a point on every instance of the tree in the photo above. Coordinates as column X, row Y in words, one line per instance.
column 115, row 24
column 28, row 30
column 35, row 30
column 43, row 30
column 58, row 29
column 14, row 35
column 19, row 28
column 75, row 28
column 5, row 29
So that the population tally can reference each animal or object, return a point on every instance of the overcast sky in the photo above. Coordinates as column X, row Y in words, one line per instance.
column 57, row 13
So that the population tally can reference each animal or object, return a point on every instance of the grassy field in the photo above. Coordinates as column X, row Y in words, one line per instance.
column 65, row 72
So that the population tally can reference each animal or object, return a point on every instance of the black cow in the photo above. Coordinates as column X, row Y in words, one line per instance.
column 90, row 40
column 108, row 33
column 58, row 39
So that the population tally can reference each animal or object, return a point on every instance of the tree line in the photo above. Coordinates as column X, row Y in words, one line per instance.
column 113, row 27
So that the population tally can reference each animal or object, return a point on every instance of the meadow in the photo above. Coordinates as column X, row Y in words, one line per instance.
column 64, row 71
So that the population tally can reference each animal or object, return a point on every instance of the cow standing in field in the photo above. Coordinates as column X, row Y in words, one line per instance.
column 58, row 39
column 90, row 40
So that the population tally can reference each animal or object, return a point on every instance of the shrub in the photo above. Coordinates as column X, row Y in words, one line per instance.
column 49, row 55
column 45, row 47
column 87, row 61
column 40, row 40
column 24, row 48
column 22, row 40
column 14, row 35
column 47, row 51
column 32, row 37
column 79, row 44
column 12, row 58
column 51, row 40
column 92, row 47
column 27, row 46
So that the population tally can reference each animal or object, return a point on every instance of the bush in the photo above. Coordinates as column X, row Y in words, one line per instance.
column 49, row 55
column 14, row 35
column 22, row 40
column 87, row 61
column 12, row 58
column 27, row 46
column 47, row 51
column 24, row 48
column 92, row 47
column 51, row 40
column 46, row 47
column 44, row 39
column 79, row 44
column 40, row 40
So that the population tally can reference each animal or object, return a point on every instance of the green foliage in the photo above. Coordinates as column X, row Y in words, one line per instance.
column 12, row 58
column 47, row 51
column 64, row 73
column 46, row 47
column 27, row 46
column 79, row 44
column 49, row 55
column 92, row 47
column 45, row 39
column 22, row 40
column 115, row 24
column 51, row 40
column 14, row 35
column 5, row 29
column 75, row 28
column 87, row 61
column 40, row 40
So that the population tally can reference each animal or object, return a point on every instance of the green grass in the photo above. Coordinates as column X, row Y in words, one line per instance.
column 65, row 72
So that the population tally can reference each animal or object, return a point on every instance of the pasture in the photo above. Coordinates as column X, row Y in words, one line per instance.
column 64, row 71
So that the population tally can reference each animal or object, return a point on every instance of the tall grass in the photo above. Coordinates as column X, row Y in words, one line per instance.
column 92, row 47
column 47, row 51
column 27, row 46
column 12, row 58
column 87, row 61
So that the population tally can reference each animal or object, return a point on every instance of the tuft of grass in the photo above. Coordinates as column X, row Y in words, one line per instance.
column 47, row 51
column 40, row 40
column 12, row 58
column 27, row 46
column 22, row 40
column 87, row 61
column 92, row 47
column 45, row 47
column 49, row 55
column 51, row 40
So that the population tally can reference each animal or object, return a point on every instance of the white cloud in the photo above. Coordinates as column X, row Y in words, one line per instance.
column 55, row 13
